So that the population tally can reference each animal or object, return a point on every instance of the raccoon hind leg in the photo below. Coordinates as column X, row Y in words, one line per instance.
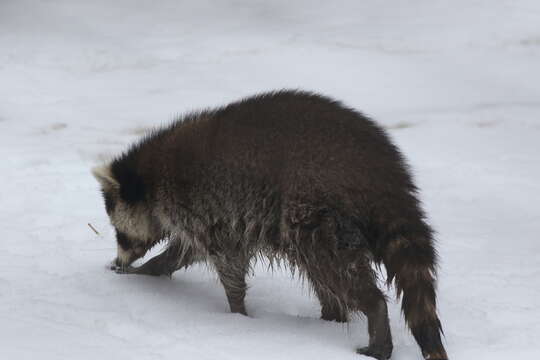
column 333, row 255
column 364, row 295
column 332, row 309
column 232, row 271
column 380, row 338
column 348, row 283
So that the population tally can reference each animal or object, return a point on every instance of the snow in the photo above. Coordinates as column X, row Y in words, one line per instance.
column 457, row 83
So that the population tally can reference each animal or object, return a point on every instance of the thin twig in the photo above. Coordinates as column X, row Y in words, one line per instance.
column 93, row 228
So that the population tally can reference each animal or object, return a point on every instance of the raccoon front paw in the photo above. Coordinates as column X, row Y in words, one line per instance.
column 375, row 352
column 141, row 270
column 113, row 264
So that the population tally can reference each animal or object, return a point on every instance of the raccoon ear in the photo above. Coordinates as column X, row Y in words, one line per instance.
column 104, row 176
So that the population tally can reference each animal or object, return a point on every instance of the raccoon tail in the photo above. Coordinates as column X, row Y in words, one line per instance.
column 411, row 261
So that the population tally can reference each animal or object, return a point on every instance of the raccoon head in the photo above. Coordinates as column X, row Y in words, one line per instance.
column 129, row 213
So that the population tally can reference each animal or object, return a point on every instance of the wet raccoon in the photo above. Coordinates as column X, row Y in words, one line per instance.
column 293, row 176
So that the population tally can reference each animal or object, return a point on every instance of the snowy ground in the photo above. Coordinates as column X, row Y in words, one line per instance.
column 456, row 82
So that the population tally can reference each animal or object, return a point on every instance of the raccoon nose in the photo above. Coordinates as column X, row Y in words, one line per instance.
column 115, row 264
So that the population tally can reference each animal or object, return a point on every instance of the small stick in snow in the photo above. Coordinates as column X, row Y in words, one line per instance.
column 93, row 228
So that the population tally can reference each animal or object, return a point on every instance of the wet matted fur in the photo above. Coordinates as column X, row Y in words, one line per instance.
column 293, row 176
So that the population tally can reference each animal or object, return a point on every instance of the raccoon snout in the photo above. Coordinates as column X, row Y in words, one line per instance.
column 113, row 265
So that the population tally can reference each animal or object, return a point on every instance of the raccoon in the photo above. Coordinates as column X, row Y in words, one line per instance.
column 293, row 176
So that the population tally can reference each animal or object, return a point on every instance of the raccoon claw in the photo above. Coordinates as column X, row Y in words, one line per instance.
column 379, row 354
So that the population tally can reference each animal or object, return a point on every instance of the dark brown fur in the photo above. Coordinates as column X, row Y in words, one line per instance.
column 293, row 176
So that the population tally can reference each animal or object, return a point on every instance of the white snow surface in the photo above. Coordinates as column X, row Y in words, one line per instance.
column 457, row 84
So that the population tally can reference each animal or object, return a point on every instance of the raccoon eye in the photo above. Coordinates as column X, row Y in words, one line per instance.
column 109, row 202
column 123, row 240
